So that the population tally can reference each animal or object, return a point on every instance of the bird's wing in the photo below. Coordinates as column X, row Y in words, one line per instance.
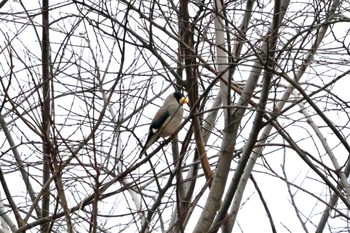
column 159, row 120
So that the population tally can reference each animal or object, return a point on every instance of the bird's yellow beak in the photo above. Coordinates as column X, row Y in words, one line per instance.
column 183, row 100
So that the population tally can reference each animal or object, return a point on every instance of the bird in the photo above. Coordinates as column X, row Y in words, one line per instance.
column 167, row 119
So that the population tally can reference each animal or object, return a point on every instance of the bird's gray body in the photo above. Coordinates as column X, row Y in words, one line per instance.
column 167, row 119
column 175, row 112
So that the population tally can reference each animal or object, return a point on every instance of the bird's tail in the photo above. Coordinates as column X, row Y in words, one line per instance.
column 149, row 142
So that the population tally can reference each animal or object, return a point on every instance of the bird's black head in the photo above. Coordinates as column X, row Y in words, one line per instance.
column 180, row 98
